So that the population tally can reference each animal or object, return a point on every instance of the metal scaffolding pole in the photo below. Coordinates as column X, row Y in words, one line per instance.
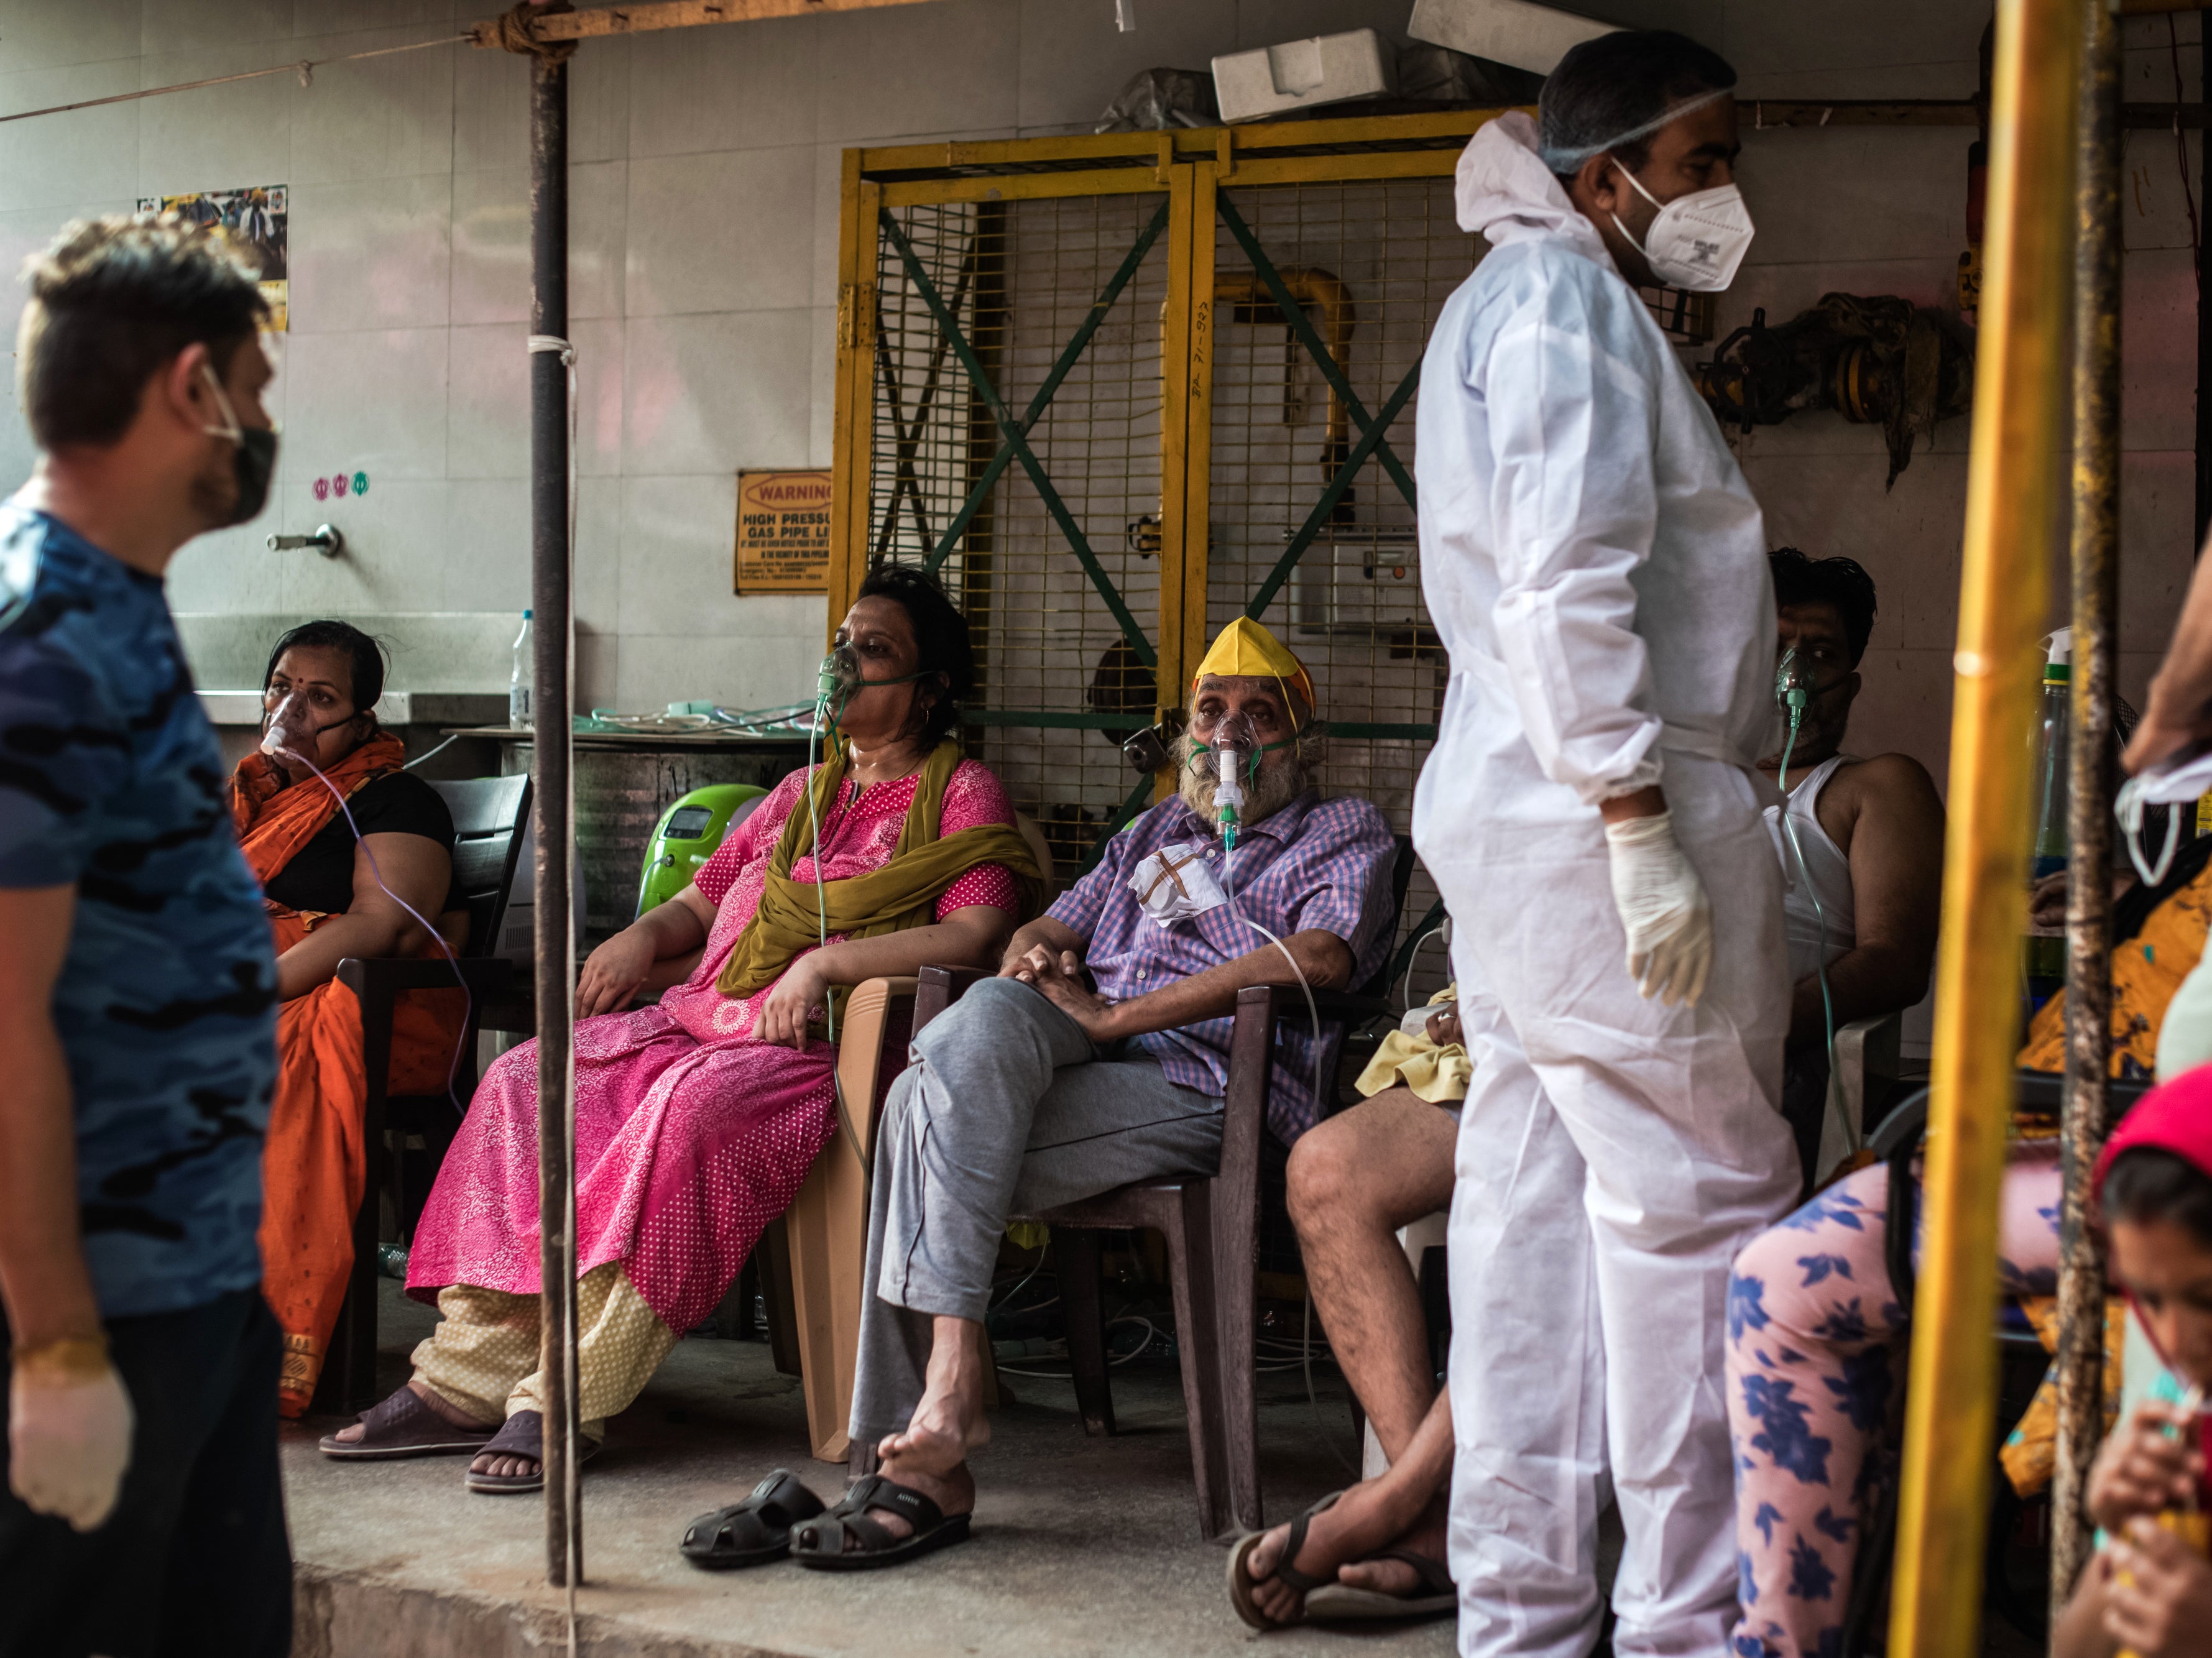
column 2019, row 385
column 552, row 792
column 2089, row 815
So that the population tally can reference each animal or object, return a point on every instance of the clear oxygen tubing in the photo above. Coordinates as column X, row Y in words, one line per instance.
column 836, row 679
column 1792, row 690
column 453, row 1069
column 1413, row 959
column 1229, row 801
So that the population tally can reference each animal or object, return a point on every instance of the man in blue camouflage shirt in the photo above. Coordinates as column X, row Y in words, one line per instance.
column 142, row 1512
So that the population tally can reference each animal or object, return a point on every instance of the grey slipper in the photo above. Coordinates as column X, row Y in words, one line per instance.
column 403, row 1425
column 1435, row 1597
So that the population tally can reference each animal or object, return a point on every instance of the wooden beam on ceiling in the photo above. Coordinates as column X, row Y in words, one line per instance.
column 671, row 14
column 1759, row 114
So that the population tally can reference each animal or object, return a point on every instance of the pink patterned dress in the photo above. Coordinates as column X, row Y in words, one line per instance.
column 690, row 1135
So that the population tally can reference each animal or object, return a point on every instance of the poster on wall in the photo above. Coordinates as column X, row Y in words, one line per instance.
column 783, row 532
column 256, row 217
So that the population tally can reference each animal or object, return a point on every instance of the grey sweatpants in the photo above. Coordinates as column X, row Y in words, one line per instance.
column 1008, row 1108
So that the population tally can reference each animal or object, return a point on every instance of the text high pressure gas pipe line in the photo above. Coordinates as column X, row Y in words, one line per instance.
column 2018, row 384
column 2089, row 809
column 552, row 798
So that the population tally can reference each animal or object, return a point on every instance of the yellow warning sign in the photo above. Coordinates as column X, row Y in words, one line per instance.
column 783, row 532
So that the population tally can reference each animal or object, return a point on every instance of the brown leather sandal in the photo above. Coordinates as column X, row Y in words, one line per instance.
column 403, row 1425
column 522, row 1435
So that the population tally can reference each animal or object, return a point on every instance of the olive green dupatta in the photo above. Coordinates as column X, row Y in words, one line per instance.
column 793, row 915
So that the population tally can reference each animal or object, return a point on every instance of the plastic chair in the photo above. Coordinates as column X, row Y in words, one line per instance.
column 490, row 814
column 825, row 1231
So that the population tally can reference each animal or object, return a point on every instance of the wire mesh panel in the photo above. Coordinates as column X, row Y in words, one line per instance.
column 1060, row 579
column 1370, row 264
column 1025, row 433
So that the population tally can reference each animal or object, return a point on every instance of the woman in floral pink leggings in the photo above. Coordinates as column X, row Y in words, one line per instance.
column 1816, row 1352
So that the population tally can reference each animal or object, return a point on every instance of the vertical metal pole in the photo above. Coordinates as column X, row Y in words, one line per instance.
column 549, row 601
column 2089, row 815
column 2019, row 385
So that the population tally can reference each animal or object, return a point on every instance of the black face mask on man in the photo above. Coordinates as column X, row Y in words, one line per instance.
column 253, row 456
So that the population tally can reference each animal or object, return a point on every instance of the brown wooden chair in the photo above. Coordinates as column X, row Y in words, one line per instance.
column 489, row 816
column 1210, row 1227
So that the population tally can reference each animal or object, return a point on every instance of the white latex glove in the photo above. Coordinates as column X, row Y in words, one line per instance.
column 1663, row 907
column 68, row 1434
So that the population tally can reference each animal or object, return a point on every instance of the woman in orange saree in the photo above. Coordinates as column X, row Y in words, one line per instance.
column 333, row 888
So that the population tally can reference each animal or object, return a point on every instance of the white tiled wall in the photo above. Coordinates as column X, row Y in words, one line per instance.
column 704, row 200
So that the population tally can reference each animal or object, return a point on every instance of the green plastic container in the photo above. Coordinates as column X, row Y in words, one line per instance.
column 686, row 837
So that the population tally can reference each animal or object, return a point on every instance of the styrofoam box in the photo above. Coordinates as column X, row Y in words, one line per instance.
column 1299, row 74
column 1516, row 32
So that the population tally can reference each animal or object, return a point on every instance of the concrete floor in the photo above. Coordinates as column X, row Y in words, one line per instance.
column 1082, row 1547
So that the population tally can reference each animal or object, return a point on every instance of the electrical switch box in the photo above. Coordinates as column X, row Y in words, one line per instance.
column 1327, row 69
column 1516, row 32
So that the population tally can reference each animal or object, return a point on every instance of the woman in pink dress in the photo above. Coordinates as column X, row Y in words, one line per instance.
column 697, row 1119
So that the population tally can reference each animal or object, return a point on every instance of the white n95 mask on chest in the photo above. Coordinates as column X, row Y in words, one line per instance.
column 1175, row 883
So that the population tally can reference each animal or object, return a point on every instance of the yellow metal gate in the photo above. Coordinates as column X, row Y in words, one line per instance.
column 1116, row 390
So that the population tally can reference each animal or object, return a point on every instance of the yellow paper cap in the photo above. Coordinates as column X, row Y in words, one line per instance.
column 1245, row 650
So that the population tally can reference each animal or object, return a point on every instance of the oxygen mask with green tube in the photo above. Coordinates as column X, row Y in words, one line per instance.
column 1226, row 751
column 1795, row 687
column 839, row 679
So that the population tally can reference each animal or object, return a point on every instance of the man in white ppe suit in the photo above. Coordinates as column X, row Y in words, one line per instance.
column 1597, row 568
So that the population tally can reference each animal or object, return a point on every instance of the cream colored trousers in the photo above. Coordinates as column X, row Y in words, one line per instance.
column 482, row 1356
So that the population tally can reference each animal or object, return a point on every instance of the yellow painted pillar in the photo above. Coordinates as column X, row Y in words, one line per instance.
column 2019, row 403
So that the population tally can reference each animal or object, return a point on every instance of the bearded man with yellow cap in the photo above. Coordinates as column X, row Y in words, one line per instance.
column 1035, row 1090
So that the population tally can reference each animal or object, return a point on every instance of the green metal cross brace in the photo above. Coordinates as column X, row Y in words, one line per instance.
column 1038, row 403
column 907, row 485
column 1370, row 441
column 1302, row 325
column 1016, row 439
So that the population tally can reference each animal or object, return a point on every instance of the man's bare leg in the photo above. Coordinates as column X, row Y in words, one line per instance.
column 1354, row 1181
column 931, row 1456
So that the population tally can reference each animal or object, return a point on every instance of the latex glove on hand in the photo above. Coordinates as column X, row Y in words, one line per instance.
column 1663, row 908
column 68, row 1431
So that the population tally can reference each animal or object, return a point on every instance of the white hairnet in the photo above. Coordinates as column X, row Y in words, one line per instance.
column 1564, row 159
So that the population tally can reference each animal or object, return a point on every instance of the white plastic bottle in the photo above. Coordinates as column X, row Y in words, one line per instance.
column 521, row 686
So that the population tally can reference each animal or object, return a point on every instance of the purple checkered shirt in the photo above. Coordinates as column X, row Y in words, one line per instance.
column 1314, row 863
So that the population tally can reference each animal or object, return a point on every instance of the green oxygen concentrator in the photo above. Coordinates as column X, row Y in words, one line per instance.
column 686, row 837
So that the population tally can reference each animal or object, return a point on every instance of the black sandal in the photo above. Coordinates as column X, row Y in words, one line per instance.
column 403, row 1425
column 753, row 1532
column 523, row 1434
column 1242, row 1582
column 820, row 1542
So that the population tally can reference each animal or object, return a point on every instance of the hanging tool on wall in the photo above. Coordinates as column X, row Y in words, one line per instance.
column 1875, row 361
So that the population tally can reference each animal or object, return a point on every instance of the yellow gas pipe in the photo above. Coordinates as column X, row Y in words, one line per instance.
column 2020, row 390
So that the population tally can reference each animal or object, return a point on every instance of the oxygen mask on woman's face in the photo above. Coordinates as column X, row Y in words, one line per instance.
column 290, row 727
column 840, row 679
column 839, row 676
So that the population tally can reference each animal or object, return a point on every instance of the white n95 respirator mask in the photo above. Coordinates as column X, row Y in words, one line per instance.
column 1698, row 241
